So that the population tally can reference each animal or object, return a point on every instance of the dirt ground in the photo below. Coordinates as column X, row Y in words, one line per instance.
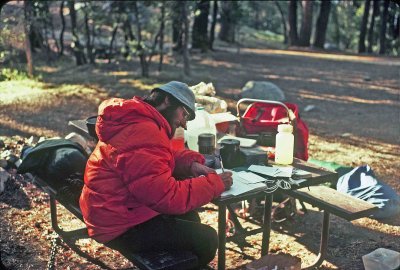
column 355, row 121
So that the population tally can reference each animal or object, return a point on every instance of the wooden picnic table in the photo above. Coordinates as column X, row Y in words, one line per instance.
column 318, row 176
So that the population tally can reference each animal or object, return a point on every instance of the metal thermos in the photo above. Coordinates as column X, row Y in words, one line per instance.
column 206, row 142
column 230, row 153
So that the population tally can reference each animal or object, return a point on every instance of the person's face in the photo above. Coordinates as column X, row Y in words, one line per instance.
column 176, row 117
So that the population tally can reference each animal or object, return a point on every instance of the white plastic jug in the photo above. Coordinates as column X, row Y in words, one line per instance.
column 382, row 259
column 202, row 123
column 284, row 145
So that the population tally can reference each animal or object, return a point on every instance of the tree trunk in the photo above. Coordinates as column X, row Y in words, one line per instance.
column 285, row 37
column 46, row 15
column 397, row 28
column 306, row 23
column 186, row 61
column 89, row 47
column 363, row 27
column 213, row 24
column 28, row 49
column 336, row 36
column 141, row 53
column 53, row 34
column 200, row 25
column 61, row 52
column 256, row 9
column 382, row 32
column 110, row 47
column 154, row 46
column 2, row 4
column 128, row 36
column 322, row 24
column 76, row 46
column 375, row 10
column 177, row 25
column 393, row 20
column 228, row 23
column 93, row 33
column 35, row 36
column 293, row 36
column 162, row 26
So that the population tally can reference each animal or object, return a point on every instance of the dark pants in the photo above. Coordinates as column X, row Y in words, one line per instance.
column 166, row 232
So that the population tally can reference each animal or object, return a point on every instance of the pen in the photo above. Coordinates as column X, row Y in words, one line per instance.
column 222, row 164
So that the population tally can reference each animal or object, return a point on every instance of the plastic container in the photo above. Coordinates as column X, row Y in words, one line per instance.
column 178, row 141
column 284, row 145
column 202, row 123
column 382, row 259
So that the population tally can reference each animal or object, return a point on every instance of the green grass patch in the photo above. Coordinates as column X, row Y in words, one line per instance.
column 250, row 37
column 9, row 74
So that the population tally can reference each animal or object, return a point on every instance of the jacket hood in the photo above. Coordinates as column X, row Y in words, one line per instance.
column 116, row 114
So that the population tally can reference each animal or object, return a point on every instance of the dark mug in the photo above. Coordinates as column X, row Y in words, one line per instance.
column 230, row 153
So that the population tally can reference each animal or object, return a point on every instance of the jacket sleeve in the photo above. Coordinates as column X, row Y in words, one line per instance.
column 148, row 175
column 184, row 160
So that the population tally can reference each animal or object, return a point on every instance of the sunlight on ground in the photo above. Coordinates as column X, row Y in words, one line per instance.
column 376, row 225
column 120, row 73
column 291, row 244
column 139, row 84
column 30, row 90
column 356, row 151
column 215, row 63
column 337, row 57
column 343, row 99
column 47, row 69
column 24, row 127
column 12, row 90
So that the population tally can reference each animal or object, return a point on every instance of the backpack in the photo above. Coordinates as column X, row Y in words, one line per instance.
column 362, row 183
column 60, row 163
column 262, row 119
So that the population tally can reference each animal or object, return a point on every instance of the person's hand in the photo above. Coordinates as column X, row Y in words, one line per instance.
column 227, row 179
column 198, row 169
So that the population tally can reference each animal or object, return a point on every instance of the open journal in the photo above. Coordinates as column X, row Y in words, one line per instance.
column 244, row 182
column 273, row 178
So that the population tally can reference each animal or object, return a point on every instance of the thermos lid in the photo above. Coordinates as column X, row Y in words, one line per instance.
column 206, row 139
column 285, row 128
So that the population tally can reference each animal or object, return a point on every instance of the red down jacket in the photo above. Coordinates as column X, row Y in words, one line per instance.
column 128, row 177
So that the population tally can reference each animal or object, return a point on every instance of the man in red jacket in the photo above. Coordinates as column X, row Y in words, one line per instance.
column 131, row 200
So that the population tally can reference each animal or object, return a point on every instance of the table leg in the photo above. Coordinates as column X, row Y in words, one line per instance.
column 221, row 236
column 267, row 223
column 238, row 227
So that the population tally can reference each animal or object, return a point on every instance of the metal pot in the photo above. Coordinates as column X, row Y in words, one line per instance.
column 91, row 126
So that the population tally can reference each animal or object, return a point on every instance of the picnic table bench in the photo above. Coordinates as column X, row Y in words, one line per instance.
column 334, row 202
column 157, row 260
